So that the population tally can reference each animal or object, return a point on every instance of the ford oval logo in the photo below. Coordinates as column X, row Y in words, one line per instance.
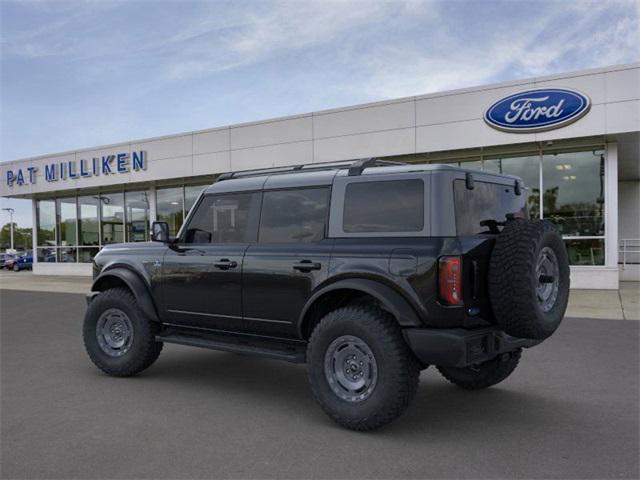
column 537, row 110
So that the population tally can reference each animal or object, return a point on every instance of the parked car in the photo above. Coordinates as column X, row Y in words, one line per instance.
column 367, row 271
column 8, row 260
column 23, row 262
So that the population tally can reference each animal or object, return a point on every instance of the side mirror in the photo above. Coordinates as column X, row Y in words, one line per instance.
column 160, row 232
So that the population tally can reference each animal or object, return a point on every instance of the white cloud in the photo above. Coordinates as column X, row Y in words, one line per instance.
column 287, row 26
column 525, row 48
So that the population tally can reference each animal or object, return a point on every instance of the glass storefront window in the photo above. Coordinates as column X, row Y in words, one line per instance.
column 67, row 255
column 137, row 216
column 86, row 254
column 46, row 219
column 112, row 218
column 527, row 168
column 46, row 254
column 67, row 222
column 71, row 229
column 169, row 207
column 191, row 194
column 574, row 192
column 585, row 251
column 472, row 165
column 88, row 223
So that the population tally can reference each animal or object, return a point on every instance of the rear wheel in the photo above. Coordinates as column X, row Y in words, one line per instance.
column 361, row 371
column 16, row 268
column 484, row 375
column 119, row 340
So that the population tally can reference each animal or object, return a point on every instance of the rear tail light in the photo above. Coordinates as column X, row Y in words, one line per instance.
column 450, row 280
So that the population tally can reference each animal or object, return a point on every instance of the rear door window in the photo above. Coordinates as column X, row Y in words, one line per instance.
column 294, row 215
column 384, row 206
column 486, row 201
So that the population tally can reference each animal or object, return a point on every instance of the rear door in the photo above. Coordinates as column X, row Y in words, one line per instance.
column 290, row 259
column 202, row 272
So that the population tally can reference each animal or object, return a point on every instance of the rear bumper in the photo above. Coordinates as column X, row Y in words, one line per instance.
column 459, row 347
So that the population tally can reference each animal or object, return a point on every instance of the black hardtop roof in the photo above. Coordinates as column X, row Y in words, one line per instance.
column 318, row 174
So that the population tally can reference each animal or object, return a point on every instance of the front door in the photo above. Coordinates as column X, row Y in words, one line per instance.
column 202, row 271
column 290, row 259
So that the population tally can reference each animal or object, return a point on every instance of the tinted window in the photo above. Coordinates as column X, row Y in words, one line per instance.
column 392, row 206
column 487, row 201
column 294, row 216
column 224, row 219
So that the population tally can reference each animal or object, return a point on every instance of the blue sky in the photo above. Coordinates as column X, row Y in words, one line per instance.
column 80, row 74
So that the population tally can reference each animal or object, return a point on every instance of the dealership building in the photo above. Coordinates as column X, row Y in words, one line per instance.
column 573, row 138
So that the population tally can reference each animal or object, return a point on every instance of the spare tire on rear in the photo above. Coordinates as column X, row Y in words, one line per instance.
column 529, row 278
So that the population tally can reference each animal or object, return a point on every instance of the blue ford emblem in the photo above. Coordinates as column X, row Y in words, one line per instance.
column 537, row 110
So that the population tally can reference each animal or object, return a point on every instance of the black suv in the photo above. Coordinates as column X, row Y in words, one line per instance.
column 367, row 271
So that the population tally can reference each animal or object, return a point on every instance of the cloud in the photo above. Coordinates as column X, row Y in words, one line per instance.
column 286, row 26
column 556, row 40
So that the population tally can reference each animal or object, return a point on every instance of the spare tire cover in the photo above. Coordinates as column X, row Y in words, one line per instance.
column 529, row 278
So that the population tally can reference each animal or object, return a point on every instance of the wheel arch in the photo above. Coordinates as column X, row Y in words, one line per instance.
column 119, row 277
column 340, row 293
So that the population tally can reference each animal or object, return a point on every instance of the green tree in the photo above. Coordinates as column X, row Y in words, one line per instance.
column 22, row 237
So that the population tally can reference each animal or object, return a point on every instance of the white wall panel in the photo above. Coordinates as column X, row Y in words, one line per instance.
column 269, row 156
column 360, row 120
column 623, row 116
column 80, row 269
column 623, row 85
column 392, row 142
column 210, row 163
column 593, row 123
column 590, row 278
column 465, row 106
column 211, row 141
column 592, row 85
column 271, row 133
column 6, row 190
column 469, row 134
column 166, row 168
column 166, row 147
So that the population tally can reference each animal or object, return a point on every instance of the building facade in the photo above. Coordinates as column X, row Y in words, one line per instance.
column 573, row 138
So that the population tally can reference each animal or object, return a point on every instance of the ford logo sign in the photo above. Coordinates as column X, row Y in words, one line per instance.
column 537, row 110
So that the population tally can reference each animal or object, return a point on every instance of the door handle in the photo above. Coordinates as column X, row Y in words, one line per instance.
column 306, row 266
column 225, row 264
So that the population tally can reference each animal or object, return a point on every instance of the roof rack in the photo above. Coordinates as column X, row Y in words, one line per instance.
column 356, row 167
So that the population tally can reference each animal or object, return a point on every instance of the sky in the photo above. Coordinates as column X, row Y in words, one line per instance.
column 86, row 73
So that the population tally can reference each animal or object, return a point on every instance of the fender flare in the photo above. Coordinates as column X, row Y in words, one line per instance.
column 391, row 300
column 137, row 286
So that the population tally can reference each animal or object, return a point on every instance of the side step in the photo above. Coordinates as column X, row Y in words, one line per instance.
column 277, row 349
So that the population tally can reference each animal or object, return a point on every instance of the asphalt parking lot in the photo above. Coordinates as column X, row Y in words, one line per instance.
column 569, row 411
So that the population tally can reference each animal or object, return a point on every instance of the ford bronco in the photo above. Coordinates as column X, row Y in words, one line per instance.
column 367, row 271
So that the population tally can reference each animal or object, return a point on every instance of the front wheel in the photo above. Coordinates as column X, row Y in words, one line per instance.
column 361, row 371
column 484, row 375
column 119, row 340
column 16, row 268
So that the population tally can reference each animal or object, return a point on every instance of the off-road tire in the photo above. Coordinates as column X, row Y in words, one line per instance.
column 398, row 370
column 144, row 349
column 484, row 375
column 513, row 281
